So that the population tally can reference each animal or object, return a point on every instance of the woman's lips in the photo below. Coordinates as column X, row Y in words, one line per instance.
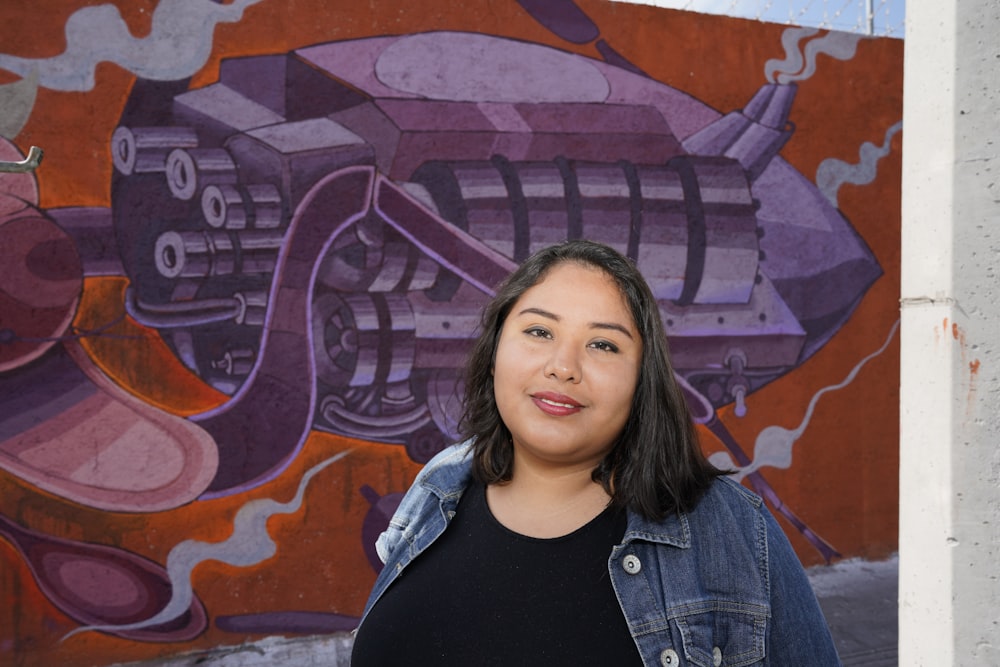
column 556, row 404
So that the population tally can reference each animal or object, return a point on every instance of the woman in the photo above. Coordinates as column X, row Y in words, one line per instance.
column 580, row 522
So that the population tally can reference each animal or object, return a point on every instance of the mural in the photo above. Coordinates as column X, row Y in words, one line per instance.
column 237, row 291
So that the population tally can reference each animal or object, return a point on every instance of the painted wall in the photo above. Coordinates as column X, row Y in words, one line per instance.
column 236, row 294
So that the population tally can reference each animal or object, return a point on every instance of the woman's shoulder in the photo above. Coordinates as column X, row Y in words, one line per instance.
column 724, row 508
column 451, row 464
column 729, row 487
column 726, row 497
column 442, row 479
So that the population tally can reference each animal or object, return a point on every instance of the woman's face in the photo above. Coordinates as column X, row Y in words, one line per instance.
column 566, row 368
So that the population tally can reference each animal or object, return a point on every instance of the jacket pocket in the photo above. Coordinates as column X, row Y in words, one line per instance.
column 716, row 638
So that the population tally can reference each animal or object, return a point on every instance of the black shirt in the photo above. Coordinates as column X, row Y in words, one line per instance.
column 485, row 595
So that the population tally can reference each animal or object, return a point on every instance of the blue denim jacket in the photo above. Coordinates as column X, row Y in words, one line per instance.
column 719, row 585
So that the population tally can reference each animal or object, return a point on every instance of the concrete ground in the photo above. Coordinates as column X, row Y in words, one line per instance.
column 859, row 600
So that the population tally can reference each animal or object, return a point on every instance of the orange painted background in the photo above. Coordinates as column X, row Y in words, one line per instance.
column 843, row 478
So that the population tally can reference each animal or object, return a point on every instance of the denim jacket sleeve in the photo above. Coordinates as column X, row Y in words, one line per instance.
column 799, row 634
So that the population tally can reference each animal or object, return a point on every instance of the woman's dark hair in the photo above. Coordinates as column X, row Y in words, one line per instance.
column 656, row 466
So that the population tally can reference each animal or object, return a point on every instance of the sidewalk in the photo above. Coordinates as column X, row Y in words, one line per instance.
column 859, row 600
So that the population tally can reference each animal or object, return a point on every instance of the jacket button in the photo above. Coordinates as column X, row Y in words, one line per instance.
column 669, row 658
column 716, row 656
column 632, row 564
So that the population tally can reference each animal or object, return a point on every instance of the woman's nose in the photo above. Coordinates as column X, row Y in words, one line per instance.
column 563, row 365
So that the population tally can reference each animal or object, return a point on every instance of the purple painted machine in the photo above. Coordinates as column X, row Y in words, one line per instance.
column 316, row 233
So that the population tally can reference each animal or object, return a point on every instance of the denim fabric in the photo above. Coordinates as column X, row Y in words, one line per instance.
column 719, row 585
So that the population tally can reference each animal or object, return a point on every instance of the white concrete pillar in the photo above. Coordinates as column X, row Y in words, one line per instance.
column 949, row 542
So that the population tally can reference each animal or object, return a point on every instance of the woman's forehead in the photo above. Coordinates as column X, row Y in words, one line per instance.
column 577, row 286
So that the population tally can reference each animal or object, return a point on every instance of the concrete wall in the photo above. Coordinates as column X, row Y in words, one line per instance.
column 236, row 294
column 949, row 424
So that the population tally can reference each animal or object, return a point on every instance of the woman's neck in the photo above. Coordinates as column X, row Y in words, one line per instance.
column 547, row 502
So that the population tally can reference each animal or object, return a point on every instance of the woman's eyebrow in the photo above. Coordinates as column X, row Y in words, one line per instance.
column 613, row 326
column 541, row 312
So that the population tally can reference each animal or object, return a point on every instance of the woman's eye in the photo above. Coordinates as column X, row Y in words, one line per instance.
column 538, row 332
column 604, row 346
